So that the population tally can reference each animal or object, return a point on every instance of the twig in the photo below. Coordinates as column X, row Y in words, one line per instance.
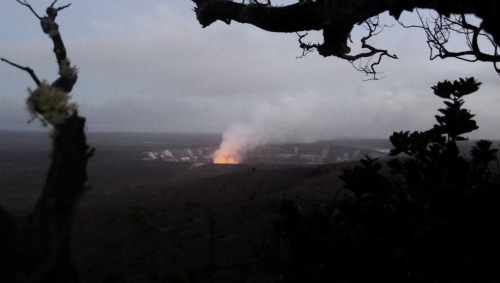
column 440, row 28
column 24, row 3
column 374, row 28
column 60, row 8
column 27, row 69
column 306, row 47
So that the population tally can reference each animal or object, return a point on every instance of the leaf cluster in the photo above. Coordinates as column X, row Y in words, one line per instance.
column 457, row 89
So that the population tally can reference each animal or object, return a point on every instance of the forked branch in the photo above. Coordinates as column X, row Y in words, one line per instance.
column 24, row 3
column 374, row 55
column 440, row 29
column 336, row 18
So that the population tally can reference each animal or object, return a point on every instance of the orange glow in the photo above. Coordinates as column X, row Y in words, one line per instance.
column 225, row 159
column 227, row 155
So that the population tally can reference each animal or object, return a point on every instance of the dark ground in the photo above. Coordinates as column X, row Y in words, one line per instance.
column 151, row 221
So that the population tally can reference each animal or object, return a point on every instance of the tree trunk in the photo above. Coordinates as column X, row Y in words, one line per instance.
column 37, row 248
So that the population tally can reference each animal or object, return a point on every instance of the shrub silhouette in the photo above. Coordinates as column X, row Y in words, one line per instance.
column 434, row 219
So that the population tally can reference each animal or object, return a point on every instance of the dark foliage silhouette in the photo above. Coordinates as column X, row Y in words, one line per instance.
column 434, row 218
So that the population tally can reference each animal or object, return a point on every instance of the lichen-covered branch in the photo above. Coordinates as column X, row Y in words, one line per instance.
column 50, row 103
column 37, row 249
column 67, row 74
column 336, row 18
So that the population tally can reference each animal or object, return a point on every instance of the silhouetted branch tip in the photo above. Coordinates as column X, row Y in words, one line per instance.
column 440, row 28
column 337, row 23
column 306, row 47
column 27, row 69
column 60, row 8
column 25, row 3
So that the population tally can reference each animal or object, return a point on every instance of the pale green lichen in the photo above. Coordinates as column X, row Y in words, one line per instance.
column 52, row 103
column 53, row 29
column 53, row 33
column 64, row 66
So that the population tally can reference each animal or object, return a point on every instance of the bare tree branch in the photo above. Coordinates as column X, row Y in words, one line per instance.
column 24, row 3
column 336, row 18
column 440, row 28
column 306, row 47
column 27, row 69
column 373, row 54
column 374, row 28
column 60, row 8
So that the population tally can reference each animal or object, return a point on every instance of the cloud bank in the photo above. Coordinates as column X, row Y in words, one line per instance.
column 151, row 67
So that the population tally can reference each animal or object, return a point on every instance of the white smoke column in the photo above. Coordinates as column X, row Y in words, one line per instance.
column 284, row 120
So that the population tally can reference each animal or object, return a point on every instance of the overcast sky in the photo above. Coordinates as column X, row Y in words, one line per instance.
column 149, row 66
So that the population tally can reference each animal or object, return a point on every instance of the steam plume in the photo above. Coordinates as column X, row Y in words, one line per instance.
column 282, row 121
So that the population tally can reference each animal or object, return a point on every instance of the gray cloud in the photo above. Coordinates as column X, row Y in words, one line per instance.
column 151, row 67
